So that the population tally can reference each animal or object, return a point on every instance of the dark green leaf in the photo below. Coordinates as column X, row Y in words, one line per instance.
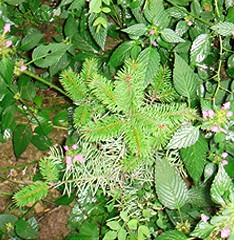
column 173, row 234
column 88, row 231
column 5, row 219
column 41, row 142
column 7, row 69
column 65, row 199
column 31, row 40
column 25, row 230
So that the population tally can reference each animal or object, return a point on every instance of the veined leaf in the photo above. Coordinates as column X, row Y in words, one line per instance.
column 171, row 36
column 7, row 69
column 173, row 234
column 98, row 32
column 122, row 52
column 136, row 29
column 202, row 230
column 46, row 56
column 221, row 184
column 224, row 28
column 200, row 48
column 150, row 60
column 194, row 158
column 185, row 80
column 170, row 187
column 184, row 137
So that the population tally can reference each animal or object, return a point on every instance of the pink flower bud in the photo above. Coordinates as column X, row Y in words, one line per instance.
column 225, row 233
column 69, row 162
column 226, row 106
column 214, row 129
column 155, row 44
column 232, row 33
column 204, row 218
column 152, row 32
column 224, row 155
column 7, row 28
column 205, row 114
column 223, row 130
column 229, row 114
column 25, row 107
column 74, row 147
column 66, row 148
column 211, row 113
column 224, row 162
column 190, row 23
column 8, row 43
column 23, row 68
column 79, row 158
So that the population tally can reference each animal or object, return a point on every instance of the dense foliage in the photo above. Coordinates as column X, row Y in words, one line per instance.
column 148, row 90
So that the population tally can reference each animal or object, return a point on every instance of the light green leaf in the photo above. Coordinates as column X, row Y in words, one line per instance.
column 150, row 59
column 122, row 234
column 184, row 137
column 124, row 216
column 132, row 224
column 143, row 231
column 171, row 36
column 111, row 235
column 200, row 48
column 221, row 185
column 114, row 225
column 173, row 234
column 122, row 52
column 99, row 31
column 224, row 28
column 185, row 80
column 170, row 187
column 194, row 158
column 136, row 29
column 46, row 56
column 95, row 6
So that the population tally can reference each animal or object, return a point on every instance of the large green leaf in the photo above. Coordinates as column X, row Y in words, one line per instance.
column 21, row 139
column 98, row 32
column 138, row 29
column 172, row 235
column 7, row 69
column 31, row 39
column 122, row 52
column 200, row 48
column 170, row 187
column 150, row 59
column 170, row 36
column 25, row 230
column 221, row 185
column 202, row 230
column 46, row 56
column 185, row 80
column 184, row 137
column 224, row 28
column 194, row 158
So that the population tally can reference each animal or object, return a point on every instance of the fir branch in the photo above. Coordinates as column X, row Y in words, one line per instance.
column 82, row 114
column 48, row 170
column 31, row 193
column 89, row 69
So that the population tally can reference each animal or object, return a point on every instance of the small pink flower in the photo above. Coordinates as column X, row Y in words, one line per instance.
column 211, row 113
column 225, row 233
column 23, row 68
column 152, row 32
column 190, row 23
column 25, row 107
column 205, row 114
column 223, row 130
column 224, row 155
column 204, row 218
column 79, row 158
column 8, row 43
column 224, row 162
column 66, row 148
column 7, row 28
column 226, row 106
column 214, row 129
column 155, row 44
column 69, row 162
column 74, row 147
column 229, row 114
column 232, row 33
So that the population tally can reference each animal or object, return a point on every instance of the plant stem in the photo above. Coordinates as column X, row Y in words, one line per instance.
column 19, row 166
column 45, row 82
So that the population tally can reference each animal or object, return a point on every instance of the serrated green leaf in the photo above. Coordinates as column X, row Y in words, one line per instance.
column 114, row 225
column 31, row 40
column 143, row 231
column 132, row 224
column 184, row 137
column 95, row 6
column 138, row 29
column 122, row 52
column 221, row 184
column 202, row 230
column 224, row 28
column 185, row 80
column 170, row 36
column 21, row 138
column 111, row 235
column 194, row 158
column 150, row 60
column 122, row 234
column 200, row 49
column 173, row 234
column 170, row 187
column 46, row 56
column 25, row 230
column 99, row 31
column 7, row 69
